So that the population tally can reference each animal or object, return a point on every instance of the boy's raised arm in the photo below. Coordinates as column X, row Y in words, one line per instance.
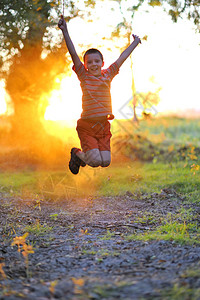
column 125, row 54
column 70, row 46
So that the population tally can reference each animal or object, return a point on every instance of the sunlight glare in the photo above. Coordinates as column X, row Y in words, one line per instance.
column 163, row 55
column 65, row 102
column 3, row 103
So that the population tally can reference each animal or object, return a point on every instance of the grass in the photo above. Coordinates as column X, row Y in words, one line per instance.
column 108, row 236
column 15, row 181
column 186, row 290
column 173, row 129
column 38, row 229
column 171, row 231
column 150, row 178
column 181, row 173
column 181, row 227
column 115, row 180
column 181, row 293
column 126, row 175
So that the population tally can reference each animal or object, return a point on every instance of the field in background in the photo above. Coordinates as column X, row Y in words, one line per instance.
column 159, row 153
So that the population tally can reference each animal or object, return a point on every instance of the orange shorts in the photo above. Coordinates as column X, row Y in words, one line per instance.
column 94, row 134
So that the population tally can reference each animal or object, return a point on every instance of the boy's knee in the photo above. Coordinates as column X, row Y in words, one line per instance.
column 94, row 158
column 95, row 163
column 105, row 163
column 106, row 158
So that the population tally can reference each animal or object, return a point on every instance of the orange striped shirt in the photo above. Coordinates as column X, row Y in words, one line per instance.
column 96, row 99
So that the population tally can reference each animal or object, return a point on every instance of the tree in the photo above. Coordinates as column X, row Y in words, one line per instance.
column 175, row 8
column 26, row 33
column 31, row 61
column 181, row 8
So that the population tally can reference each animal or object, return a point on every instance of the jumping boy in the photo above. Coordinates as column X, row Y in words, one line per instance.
column 93, row 127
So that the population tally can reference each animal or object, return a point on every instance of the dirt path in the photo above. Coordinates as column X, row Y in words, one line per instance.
column 83, row 249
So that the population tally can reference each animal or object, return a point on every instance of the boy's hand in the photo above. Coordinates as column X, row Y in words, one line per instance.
column 136, row 38
column 62, row 24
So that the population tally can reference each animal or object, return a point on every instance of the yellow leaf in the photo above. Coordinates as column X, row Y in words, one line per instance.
column 19, row 240
column 192, row 149
column 28, row 249
column 154, row 3
column 79, row 282
column 192, row 156
column 84, row 231
column 2, row 271
column 53, row 285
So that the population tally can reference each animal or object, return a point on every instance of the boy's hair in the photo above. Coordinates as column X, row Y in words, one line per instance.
column 91, row 51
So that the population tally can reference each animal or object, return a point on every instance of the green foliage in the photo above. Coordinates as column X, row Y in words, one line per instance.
column 53, row 217
column 172, row 231
column 192, row 273
column 33, row 55
column 160, row 139
column 100, row 254
column 155, row 3
column 16, row 182
column 38, row 229
column 108, row 236
column 117, row 180
column 175, row 8
column 27, row 21
column 22, row 19
column 174, row 129
column 90, row 3
column 162, row 171
column 182, row 228
column 181, row 293
column 189, row 8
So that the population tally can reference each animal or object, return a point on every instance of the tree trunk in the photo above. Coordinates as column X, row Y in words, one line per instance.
column 28, row 78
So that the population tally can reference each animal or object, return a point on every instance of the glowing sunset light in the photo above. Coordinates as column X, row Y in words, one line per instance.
column 3, row 103
column 65, row 103
column 170, row 55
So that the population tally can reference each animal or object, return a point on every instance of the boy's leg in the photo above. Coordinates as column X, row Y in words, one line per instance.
column 104, row 145
column 96, row 149
column 95, row 158
column 92, row 157
column 106, row 158
column 89, row 143
column 99, row 155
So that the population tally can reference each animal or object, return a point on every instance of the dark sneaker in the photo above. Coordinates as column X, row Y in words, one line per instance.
column 75, row 162
column 83, row 164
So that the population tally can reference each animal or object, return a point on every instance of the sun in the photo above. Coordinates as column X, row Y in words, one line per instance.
column 65, row 101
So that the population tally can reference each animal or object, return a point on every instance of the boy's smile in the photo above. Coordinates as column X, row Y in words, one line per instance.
column 93, row 64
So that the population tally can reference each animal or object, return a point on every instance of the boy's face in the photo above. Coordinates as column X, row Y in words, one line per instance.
column 93, row 64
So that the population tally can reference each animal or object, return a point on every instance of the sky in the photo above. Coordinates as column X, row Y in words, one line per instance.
column 170, row 57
